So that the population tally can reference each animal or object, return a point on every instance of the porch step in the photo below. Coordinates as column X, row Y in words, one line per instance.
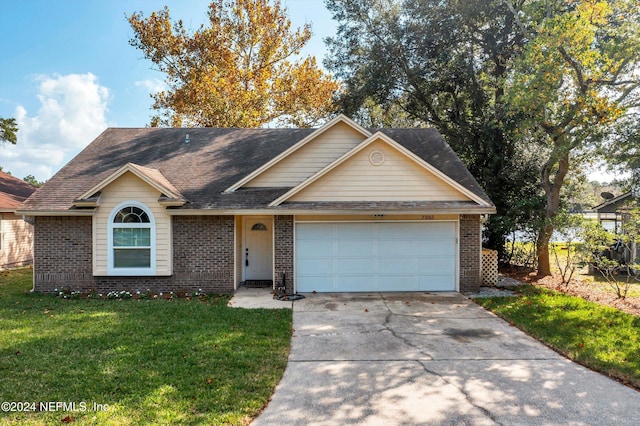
column 258, row 283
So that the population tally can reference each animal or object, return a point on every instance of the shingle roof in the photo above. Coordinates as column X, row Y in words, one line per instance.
column 13, row 191
column 611, row 205
column 213, row 160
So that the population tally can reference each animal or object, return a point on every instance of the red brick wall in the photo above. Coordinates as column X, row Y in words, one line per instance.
column 470, row 253
column 203, row 253
column 62, row 250
column 202, row 257
column 283, row 250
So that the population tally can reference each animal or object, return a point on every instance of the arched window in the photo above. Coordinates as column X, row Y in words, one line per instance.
column 131, row 240
column 259, row 227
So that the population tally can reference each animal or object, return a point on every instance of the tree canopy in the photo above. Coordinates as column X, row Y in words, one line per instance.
column 578, row 75
column 238, row 71
column 8, row 130
column 443, row 64
column 523, row 90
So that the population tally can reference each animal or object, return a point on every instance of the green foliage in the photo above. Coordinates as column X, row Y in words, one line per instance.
column 568, row 255
column 577, row 76
column 599, row 337
column 33, row 181
column 622, row 151
column 150, row 361
column 443, row 64
column 522, row 253
column 8, row 130
column 599, row 247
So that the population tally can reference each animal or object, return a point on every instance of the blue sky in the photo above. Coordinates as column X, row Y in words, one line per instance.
column 67, row 71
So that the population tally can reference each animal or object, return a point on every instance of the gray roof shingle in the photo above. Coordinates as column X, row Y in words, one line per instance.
column 213, row 160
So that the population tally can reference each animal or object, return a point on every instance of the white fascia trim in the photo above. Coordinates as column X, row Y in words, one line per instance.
column 289, row 212
column 339, row 119
column 129, row 167
column 373, row 138
column 55, row 212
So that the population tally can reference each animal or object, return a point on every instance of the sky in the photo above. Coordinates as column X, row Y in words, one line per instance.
column 67, row 71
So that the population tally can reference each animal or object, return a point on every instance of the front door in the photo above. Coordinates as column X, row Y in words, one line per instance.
column 257, row 250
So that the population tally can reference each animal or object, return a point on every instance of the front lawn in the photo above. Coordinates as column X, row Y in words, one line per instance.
column 143, row 361
column 600, row 337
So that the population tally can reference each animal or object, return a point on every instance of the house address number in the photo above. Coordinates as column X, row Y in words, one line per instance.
column 428, row 217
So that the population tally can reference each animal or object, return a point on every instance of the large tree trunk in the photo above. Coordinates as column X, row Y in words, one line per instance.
column 544, row 264
column 553, row 175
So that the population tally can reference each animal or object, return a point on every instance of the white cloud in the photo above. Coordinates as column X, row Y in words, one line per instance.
column 152, row 85
column 72, row 113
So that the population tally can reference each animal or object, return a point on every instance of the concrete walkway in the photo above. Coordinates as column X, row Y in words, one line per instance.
column 416, row 358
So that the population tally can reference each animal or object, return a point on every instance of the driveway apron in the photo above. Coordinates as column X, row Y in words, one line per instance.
column 421, row 358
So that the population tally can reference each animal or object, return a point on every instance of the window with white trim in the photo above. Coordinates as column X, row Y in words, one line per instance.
column 131, row 234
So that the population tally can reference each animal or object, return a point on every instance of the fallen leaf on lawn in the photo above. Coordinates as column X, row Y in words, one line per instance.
column 209, row 380
column 67, row 419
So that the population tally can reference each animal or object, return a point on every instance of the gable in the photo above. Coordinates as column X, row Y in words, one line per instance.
column 379, row 172
column 307, row 160
column 130, row 187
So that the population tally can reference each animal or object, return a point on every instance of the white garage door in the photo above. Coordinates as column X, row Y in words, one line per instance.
column 333, row 257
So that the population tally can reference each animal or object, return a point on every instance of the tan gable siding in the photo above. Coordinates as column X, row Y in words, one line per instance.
column 16, row 241
column 398, row 178
column 129, row 187
column 315, row 155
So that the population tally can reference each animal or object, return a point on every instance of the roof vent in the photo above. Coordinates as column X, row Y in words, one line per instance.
column 186, row 138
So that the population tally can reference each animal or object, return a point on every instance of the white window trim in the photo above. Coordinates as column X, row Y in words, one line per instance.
column 111, row 270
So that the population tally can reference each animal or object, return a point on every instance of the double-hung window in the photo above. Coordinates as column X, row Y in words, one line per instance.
column 131, row 241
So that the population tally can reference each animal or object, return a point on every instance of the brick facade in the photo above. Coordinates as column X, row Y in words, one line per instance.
column 62, row 253
column 283, row 250
column 202, row 257
column 470, row 253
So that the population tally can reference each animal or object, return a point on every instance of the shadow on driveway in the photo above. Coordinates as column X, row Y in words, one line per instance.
column 420, row 358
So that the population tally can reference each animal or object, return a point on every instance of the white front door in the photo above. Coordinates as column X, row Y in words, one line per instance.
column 257, row 250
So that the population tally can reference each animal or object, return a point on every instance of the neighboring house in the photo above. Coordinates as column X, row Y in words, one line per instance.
column 339, row 208
column 16, row 235
column 611, row 212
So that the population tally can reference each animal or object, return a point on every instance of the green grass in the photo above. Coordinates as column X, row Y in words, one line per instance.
column 178, row 361
column 599, row 337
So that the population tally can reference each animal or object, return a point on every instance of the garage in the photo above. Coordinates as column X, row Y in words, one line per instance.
column 375, row 256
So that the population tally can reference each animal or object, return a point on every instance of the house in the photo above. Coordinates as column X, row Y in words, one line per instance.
column 611, row 212
column 338, row 208
column 16, row 235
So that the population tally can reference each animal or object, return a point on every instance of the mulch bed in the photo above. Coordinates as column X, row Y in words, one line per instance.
column 576, row 287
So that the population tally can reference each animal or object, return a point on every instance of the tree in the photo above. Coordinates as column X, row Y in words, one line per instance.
column 33, row 181
column 622, row 151
column 8, row 130
column 238, row 71
column 577, row 76
column 444, row 64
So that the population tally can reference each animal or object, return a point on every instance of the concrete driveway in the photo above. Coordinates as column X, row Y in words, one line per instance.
column 416, row 358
